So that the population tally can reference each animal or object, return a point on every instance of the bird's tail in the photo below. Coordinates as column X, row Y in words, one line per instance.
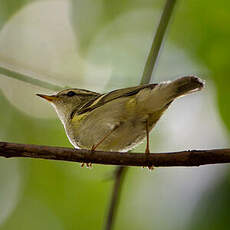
column 164, row 93
column 184, row 85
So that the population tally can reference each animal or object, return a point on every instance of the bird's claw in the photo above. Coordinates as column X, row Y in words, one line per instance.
column 147, row 152
column 151, row 167
column 88, row 165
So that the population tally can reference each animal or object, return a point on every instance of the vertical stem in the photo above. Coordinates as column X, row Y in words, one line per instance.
column 147, row 137
column 119, row 178
column 146, row 77
column 157, row 42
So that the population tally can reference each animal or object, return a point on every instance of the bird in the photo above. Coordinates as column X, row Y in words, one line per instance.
column 118, row 120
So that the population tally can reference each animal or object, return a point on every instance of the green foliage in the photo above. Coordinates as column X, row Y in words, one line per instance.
column 117, row 34
column 213, row 208
column 200, row 27
column 9, row 8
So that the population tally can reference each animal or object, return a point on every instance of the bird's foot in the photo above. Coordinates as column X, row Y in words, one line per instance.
column 88, row 165
column 151, row 167
column 147, row 152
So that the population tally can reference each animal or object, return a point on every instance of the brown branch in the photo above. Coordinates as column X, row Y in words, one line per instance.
column 183, row 158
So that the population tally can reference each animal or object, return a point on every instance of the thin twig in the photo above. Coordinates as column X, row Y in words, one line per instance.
column 146, row 77
column 183, row 158
column 115, row 198
column 28, row 79
column 157, row 41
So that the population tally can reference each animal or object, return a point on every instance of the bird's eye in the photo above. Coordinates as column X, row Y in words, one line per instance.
column 71, row 93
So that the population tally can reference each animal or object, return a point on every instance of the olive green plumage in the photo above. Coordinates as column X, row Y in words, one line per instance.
column 88, row 117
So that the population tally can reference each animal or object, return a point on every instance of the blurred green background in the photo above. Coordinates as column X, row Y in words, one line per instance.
column 102, row 45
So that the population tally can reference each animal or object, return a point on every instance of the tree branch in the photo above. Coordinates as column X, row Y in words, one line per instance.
column 182, row 158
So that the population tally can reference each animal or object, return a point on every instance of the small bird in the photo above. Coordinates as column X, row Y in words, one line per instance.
column 120, row 119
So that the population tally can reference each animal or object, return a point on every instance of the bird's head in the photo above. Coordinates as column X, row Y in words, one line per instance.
column 69, row 100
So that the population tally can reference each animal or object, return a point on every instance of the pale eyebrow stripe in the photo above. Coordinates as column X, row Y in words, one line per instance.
column 87, row 105
column 79, row 92
column 85, row 92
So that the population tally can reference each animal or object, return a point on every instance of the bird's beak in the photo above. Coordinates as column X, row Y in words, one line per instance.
column 47, row 97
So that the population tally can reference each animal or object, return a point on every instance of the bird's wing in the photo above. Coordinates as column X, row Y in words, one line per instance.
column 105, row 98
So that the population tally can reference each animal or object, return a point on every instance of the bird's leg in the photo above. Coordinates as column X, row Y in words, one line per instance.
column 107, row 135
column 88, row 165
column 147, row 137
column 95, row 146
column 147, row 151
